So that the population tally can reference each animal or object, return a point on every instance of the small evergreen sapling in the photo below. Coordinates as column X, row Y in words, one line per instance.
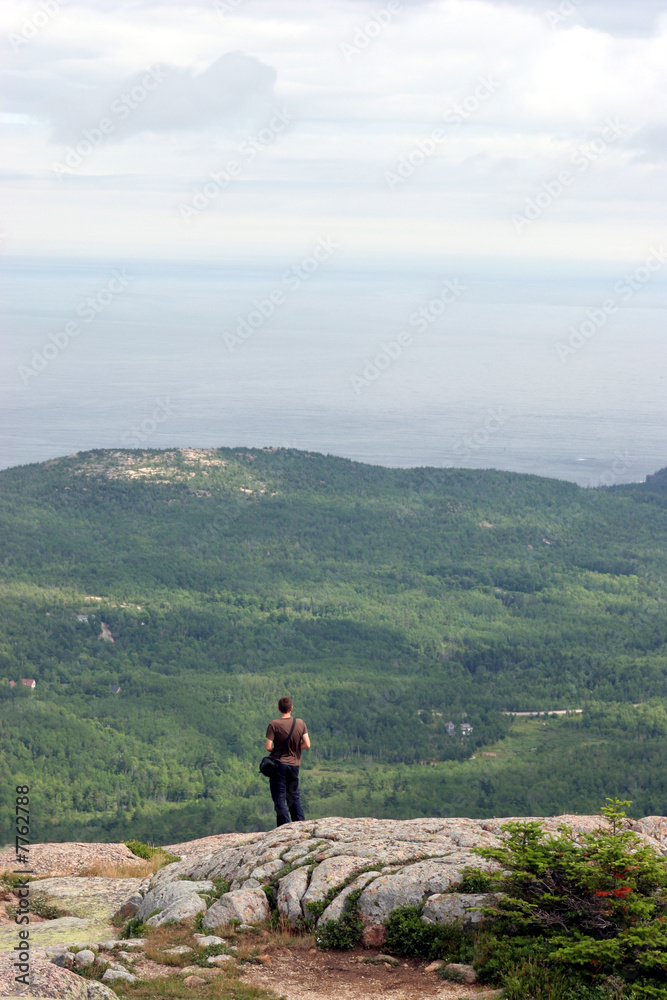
column 598, row 900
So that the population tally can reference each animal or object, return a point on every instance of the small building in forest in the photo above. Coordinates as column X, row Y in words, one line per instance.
column 29, row 682
column 114, row 688
column 450, row 729
column 466, row 728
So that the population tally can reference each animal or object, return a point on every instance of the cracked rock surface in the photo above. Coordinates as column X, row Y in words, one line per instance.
column 383, row 863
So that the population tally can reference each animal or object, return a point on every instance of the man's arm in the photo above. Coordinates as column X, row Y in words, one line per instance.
column 269, row 744
column 305, row 742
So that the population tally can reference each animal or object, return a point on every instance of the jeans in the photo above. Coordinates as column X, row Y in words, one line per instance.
column 285, row 793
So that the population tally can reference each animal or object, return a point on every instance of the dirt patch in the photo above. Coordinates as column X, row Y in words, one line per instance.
column 342, row 976
column 145, row 968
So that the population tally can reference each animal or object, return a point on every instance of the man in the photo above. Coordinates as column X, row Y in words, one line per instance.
column 285, row 785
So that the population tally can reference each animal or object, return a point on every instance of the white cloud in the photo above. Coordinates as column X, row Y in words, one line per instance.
column 354, row 121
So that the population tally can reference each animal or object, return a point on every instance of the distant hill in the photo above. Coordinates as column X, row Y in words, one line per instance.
column 388, row 602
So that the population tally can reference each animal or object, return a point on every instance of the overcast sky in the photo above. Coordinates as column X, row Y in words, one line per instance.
column 533, row 129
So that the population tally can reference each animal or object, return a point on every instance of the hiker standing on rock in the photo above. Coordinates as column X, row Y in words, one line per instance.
column 285, row 739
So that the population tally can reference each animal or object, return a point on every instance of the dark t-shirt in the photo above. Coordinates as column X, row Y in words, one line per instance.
column 278, row 730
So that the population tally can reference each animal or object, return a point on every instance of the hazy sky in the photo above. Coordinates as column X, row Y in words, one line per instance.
column 405, row 131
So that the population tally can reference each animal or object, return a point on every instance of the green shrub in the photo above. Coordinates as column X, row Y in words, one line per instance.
column 147, row 851
column 316, row 908
column 220, row 887
column 345, row 933
column 408, row 934
column 201, row 955
column 135, row 928
column 474, row 880
column 532, row 980
column 140, row 849
column 9, row 880
column 43, row 907
column 594, row 905
column 40, row 906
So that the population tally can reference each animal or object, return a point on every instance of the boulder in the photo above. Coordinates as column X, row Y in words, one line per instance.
column 460, row 973
column 448, row 908
column 112, row 975
column 179, row 949
column 194, row 981
column 174, row 901
column 249, row 906
column 98, row 991
column 63, row 959
column 115, row 966
column 291, row 890
column 130, row 944
column 219, row 959
column 409, row 887
column 208, row 940
column 130, row 906
column 84, row 958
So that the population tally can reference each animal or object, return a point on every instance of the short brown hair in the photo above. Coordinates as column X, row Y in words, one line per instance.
column 285, row 705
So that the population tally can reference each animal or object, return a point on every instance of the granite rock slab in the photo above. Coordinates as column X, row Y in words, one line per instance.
column 248, row 906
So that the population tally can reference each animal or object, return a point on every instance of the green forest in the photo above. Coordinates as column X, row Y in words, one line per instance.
column 387, row 602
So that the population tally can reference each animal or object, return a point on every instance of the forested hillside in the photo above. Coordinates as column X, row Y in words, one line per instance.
column 387, row 602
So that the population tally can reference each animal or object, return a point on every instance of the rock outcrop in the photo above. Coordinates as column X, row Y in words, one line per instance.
column 246, row 906
column 49, row 980
column 172, row 902
column 311, row 870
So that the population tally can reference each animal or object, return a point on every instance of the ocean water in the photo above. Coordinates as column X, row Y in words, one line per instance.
column 172, row 354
